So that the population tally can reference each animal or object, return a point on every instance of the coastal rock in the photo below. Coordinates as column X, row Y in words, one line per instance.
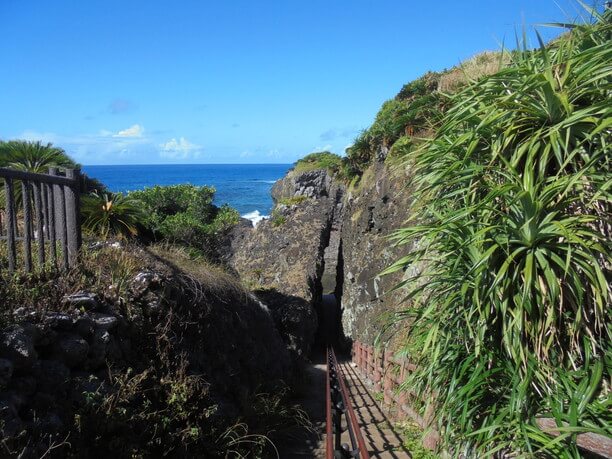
column 282, row 259
column 313, row 184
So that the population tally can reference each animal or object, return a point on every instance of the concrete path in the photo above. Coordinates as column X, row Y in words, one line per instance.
column 382, row 440
column 305, row 443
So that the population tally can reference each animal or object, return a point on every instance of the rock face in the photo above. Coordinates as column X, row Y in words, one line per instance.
column 283, row 258
column 313, row 184
column 373, row 211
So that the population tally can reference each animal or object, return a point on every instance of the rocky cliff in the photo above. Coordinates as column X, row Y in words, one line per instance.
column 373, row 210
column 325, row 237
column 282, row 258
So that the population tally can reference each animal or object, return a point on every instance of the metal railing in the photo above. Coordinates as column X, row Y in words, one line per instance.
column 338, row 406
column 43, row 209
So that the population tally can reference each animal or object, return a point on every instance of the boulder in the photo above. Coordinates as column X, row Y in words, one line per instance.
column 72, row 350
column 313, row 184
column 97, row 350
column 104, row 321
column 51, row 376
column 18, row 346
column 84, row 326
column 82, row 300
column 58, row 321
column 6, row 372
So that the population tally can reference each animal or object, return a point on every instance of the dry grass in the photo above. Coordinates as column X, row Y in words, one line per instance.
column 481, row 65
column 197, row 270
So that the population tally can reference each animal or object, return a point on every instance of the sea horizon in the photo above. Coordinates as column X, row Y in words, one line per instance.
column 245, row 187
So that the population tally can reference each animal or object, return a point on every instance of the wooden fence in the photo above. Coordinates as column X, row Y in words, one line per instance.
column 387, row 373
column 43, row 209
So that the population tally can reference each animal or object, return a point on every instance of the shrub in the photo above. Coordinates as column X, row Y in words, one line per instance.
column 164, row 201
column 416, row 108
column 319, row 160
column 509, row 317
column 185, row 214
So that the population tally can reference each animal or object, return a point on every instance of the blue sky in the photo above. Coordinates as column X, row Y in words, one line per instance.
column 194, row 81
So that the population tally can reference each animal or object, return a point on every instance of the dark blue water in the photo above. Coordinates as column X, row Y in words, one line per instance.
column 245, row 187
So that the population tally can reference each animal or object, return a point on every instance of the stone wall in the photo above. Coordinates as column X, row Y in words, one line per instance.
column 52, row 362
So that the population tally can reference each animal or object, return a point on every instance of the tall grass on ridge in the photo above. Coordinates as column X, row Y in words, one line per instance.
column 511, row 324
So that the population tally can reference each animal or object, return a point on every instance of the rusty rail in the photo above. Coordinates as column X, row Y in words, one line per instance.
column 338, row 405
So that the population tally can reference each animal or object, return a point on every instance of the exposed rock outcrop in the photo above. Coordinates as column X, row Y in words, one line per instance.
column 282, row 258
column 373, row 211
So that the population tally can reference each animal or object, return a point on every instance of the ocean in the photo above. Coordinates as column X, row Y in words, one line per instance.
column 246, row 187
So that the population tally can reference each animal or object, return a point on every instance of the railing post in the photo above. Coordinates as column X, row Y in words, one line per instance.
column 40, row 226
column 60, row 218
column 10, row 224
column 73, row 219
column 27, row 224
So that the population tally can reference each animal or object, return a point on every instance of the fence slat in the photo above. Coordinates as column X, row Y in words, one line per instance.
column 27, row 225
column 10, row 224
column 45, row 210
column 40, row 223
column 60, row 218
column 73, row 220
column 51, row 224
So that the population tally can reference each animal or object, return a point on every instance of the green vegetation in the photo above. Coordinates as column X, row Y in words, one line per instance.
column 416, row 111
column 320, row 160
column 106, row 214
column 33, row 156
column 293, row 201
column 277, row 219
column 184, row 214
column 509, row 318
column 412, row 436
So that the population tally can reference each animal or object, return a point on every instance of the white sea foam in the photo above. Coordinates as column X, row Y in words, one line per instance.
column 255, row 217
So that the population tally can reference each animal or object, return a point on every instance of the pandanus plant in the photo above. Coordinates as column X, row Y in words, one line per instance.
column 509, row 316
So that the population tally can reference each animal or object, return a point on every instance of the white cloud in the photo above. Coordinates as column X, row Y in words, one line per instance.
column 247, row 154
column 327, row 147
column 133, row 131
column 180, row 149
column 274, row 154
